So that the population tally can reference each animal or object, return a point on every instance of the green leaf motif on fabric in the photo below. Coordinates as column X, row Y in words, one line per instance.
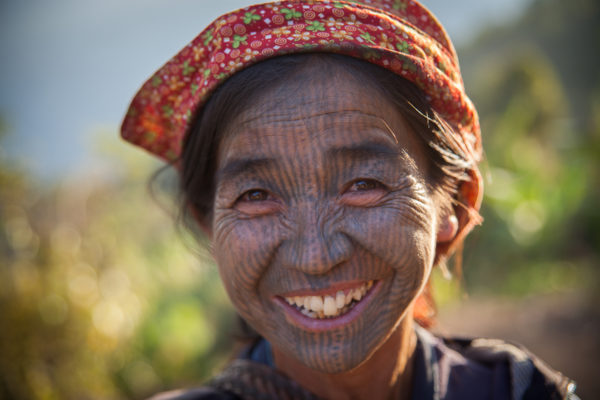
column 250, row 16
column 208, row 37
column 156, row 80
column 366, row 36
column 404, row 47
column 206, row 73
column 167, row 111
column 338, row 5
column 399, row 5
column 370, row 54
column 409, row 66
column 194, row 87
column 291, row 14
column 237, row 40
column 315, row 26
column 187, row 68
column 149, row 136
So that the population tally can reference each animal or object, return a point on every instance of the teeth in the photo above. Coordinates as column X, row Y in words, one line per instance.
column 330, row 305
column 348, row 298
column 316, row 303
column 340, row 299
column 308, row 313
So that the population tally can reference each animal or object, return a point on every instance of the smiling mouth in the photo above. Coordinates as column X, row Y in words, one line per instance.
column 329, row 306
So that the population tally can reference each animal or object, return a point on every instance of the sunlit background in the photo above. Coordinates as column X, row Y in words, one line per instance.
column 101, row 296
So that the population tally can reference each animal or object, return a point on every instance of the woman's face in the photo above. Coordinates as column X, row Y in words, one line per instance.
column 323, row 229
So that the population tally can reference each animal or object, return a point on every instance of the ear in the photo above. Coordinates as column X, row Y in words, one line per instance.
column 456, row 223
column 447, row 228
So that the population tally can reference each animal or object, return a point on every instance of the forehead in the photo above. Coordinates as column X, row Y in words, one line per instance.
column 313, row 111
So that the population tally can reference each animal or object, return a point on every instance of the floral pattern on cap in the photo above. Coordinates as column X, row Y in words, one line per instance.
column 399, row 35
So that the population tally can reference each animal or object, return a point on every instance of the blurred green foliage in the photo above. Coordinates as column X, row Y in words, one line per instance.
column 100, row 297
column 537, row 88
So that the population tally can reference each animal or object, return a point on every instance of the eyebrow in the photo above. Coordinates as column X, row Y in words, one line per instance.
column 363, row 151
column 238, row 166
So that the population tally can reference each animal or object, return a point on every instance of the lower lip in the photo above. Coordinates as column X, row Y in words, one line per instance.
column 325, row 324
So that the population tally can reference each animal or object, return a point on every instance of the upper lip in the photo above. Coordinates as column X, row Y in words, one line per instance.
column 328, row 291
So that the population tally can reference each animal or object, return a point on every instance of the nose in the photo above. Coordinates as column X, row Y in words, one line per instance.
column 315, row 245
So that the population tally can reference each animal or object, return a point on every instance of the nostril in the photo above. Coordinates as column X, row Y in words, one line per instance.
column 340, row 247
column 316, row 254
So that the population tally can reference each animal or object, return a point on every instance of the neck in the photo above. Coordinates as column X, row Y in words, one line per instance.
column 387, row 374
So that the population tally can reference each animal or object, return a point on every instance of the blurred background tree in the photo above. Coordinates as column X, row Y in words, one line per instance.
column 101, row 297
column 536, row 85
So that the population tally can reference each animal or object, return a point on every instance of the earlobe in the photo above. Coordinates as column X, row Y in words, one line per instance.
column 448, row 228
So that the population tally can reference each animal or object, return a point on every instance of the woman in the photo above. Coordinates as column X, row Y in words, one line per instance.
column 329, row 152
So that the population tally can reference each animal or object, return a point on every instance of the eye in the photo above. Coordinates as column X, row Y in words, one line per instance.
column 254, row 195
column 256, row 202
column 365, row 184
column 363, row 193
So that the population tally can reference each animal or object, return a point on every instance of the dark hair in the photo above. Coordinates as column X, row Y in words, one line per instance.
column 198, row 159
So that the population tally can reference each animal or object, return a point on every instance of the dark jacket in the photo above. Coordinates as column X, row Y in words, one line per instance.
column 445, row 369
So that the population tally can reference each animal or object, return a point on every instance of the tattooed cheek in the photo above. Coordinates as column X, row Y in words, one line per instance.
column 412, row 204
column 390, row 232
column 252, row 241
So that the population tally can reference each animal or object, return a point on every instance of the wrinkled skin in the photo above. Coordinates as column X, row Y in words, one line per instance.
column 320, row 181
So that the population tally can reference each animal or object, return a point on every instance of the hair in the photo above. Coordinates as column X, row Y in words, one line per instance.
column 448, row 163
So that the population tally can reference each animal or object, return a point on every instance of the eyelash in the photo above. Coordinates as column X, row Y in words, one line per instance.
column 371, row 183
column 257, row 202
column 360, row 192
column 247, row 196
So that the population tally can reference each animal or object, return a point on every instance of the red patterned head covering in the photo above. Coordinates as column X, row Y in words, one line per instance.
column 399, row 35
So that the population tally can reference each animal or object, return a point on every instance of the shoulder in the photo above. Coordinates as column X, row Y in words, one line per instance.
column 510, row 370
column 202, row 393
column 530, row 377
column 244, row 379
